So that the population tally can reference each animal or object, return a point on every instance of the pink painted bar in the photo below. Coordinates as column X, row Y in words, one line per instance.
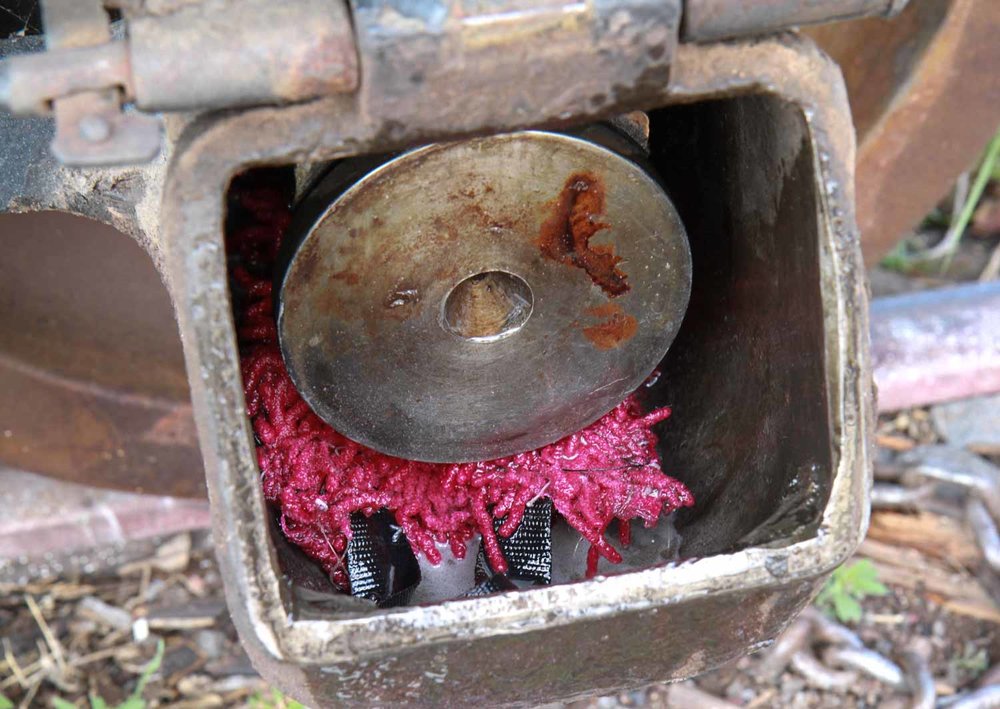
column 47, row 521
column 937, row 345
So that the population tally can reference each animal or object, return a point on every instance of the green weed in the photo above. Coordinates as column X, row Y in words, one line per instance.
column 847, row 587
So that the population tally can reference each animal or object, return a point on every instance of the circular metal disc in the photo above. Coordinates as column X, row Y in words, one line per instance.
column 395, row 337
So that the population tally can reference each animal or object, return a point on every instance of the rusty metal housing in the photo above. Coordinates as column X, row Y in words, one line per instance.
column 769, row 375
column 772, row 429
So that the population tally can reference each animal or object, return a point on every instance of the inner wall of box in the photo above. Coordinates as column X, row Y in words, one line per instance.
column 750, row 432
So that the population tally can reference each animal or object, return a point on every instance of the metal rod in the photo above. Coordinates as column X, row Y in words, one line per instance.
column 709, row 20
column 936, row 345
column 920, row 680
column 868, row 661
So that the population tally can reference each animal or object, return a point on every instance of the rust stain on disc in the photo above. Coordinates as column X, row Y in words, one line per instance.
column 616, row 326
column 565, row 236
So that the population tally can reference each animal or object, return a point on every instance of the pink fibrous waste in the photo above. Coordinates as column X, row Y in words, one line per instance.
column 318, row 478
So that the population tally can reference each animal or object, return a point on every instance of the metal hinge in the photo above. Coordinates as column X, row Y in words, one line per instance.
column 91, row 127
column 191, row 56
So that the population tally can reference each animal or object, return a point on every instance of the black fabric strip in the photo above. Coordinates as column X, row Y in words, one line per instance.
column 528, row 550
column 381, row 565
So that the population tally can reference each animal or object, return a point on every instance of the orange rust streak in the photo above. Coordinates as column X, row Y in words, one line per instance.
column 347, row 276
column 617, row 327
column 565, row 236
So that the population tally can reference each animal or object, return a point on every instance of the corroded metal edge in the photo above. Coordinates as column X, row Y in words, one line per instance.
column 926, row 94
column 714, row 20
column 213, row 150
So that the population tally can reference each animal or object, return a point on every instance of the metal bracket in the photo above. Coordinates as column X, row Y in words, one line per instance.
column 91, row 127
column 183, row 60
column 538, row 54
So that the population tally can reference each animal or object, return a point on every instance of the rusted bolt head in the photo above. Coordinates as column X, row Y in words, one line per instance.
column 94, row 129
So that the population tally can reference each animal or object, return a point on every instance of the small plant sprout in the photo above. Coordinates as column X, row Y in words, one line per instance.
column 847, row 587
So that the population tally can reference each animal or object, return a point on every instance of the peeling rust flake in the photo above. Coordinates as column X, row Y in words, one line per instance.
column 616, row 326
column 565, row 236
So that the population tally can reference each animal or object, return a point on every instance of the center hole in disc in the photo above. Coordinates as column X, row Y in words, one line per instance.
column 488, row 306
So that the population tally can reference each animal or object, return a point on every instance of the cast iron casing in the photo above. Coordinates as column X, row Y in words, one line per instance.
column 769, row 378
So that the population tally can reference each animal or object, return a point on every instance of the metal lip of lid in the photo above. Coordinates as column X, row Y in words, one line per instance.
column 474, row 300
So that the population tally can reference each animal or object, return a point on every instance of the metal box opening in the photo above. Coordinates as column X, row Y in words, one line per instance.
column 751, row 432
column 750, row 429
column 769, row 379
